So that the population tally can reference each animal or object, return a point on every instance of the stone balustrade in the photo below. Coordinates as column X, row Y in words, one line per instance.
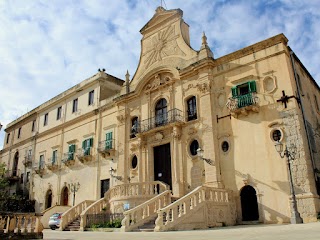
column 145, row 212
column 73, row 213
column 188, row 206
column 123, row 192
column 22, row 225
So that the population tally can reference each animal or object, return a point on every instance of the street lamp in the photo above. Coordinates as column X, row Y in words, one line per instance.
column 112, row 171
column 200, row 154
column 0, row 126
column 290, row 156
column 74, row 187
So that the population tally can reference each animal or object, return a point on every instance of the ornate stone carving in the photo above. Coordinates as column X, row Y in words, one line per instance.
column 121, row 118
column 202, row 87
column 161, row 45
column 176, row 133
column 158, row 136
column 158, row 81
column 192, row 131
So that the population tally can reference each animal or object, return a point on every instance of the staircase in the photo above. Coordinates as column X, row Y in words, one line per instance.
column 73, row 226
column 147, row 227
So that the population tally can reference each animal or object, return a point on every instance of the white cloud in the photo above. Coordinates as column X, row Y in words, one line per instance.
column 48, row 46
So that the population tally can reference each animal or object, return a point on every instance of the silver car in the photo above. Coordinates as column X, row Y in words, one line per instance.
column 54, row 221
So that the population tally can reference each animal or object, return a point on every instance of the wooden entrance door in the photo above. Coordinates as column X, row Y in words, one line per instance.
column 162, row 164
column 65, row 196
column 249, row 204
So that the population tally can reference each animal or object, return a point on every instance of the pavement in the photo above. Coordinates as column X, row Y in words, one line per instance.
column 308, row 231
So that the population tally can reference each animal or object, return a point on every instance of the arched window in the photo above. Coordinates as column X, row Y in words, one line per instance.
column 134, row 127
column 192, row 108
column 15, row 164
column 161, row 112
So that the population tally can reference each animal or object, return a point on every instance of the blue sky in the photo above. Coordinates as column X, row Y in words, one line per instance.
column 47, row 47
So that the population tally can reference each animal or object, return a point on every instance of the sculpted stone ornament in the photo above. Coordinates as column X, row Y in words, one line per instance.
column 158, row 81
column 176, row 133
column 161, row 45
column 121, row 118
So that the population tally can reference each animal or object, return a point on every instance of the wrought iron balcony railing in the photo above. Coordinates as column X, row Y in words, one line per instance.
column 13, row 174
column 68, row 158
column 107, row 147
column 242, row 101
column 52, row 164
column 84, row 154
column 28, row 160
column 172, row 116
column 40, row 169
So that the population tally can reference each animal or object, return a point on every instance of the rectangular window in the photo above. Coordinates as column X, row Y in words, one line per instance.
column 19, row 132
column 75, row 105
column 87, row 145
column 72, row 149
column 109, row 140
column 54, row 156
column 91, row 96
column 33, row 126
column 41, row 162
column 8, row 137
column 59, row 109
column 45, row 121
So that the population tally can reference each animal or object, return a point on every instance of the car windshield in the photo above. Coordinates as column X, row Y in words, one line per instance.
column 55, row 215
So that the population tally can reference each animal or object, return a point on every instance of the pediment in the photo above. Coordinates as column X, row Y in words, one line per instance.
column 160, row 17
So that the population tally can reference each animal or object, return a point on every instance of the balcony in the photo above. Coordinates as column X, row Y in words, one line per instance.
column 13, row 175
column 52, row 164
column 172, row 116
column 107, row 148
column 243, row 104
column 40, row 170
column 68, row 159
column 27, row 161
column 84, row 155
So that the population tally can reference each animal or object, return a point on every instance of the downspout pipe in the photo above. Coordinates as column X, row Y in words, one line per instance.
column 302, row 110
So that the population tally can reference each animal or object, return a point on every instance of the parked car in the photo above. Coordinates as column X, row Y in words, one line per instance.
column 54, row 221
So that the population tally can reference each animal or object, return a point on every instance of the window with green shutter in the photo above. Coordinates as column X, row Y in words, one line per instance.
column 243, row 93
column 109, row 140
column 54, row 156
column 87, row 145
column 72, row 149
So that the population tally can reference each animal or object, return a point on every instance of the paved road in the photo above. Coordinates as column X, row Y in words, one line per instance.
column 310, row 231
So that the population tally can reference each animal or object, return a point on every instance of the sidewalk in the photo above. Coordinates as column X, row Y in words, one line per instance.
column 309, row 231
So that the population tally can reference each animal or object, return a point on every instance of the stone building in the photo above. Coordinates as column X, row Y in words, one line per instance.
column 188, row 142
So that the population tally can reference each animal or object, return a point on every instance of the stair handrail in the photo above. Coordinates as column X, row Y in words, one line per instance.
column 122, row 191
column 145, row 212
column 171, row 215
column 73, row 213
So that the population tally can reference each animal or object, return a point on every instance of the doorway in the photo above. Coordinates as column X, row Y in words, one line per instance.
column 49, row 199
column 65, row 196
column 105, row 185
column 162, row 164
column 249, row 204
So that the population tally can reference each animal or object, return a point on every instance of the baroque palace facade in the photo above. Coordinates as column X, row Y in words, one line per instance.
column 188, row 142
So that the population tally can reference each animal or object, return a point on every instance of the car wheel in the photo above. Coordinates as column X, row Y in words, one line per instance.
column 53, row 228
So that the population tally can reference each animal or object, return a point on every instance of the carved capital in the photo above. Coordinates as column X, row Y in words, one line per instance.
column 176, row 133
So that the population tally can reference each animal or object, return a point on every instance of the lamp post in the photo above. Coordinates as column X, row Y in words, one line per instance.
column 74, row 187
column 0, row 126
column 290, row 156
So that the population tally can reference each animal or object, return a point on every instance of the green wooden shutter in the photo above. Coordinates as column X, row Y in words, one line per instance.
column 252, row 86
column 84, row 144
column 109, row 140
column 234, row 91
column 90, row 142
